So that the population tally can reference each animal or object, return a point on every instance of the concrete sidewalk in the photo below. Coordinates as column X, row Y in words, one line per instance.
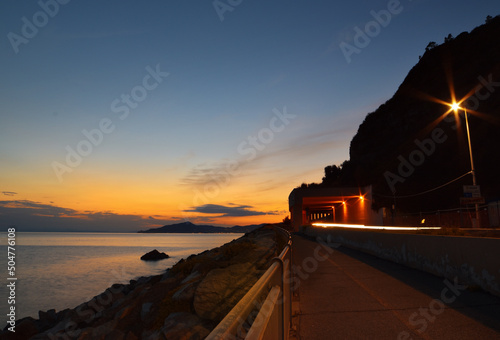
column 345, row 294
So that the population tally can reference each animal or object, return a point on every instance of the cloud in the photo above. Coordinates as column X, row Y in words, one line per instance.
column 35, row 216
column 9, row 193
column 229, row 211
column 224, row 172
column 220, row 173
column 35, row 208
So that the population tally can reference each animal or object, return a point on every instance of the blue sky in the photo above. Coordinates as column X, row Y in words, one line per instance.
column 226, row 79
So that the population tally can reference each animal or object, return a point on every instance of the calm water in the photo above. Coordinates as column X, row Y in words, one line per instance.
column 62, row 270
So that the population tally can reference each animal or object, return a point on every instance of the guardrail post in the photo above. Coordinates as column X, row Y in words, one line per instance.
column 282, row 293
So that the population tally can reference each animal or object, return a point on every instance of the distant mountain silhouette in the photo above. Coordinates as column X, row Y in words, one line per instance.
column 191, row 228
column 392, row 149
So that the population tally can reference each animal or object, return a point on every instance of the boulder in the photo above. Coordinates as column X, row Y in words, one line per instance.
column 105, row 331
column 185, row 326
column 185, row 293
column 222, row 288
column 154, row 255
column 47, row 316
column 25, row 329
column 46, row 319
column 145, row 309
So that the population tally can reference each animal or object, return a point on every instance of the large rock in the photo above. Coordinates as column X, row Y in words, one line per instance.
column 185, row 326
column 154, row 255
column 25, row 328
column 222, row 288
column 104, row 331
column 185, row 293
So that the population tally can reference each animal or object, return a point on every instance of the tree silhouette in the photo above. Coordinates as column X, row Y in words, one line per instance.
column 430, row 46
column 332, row 174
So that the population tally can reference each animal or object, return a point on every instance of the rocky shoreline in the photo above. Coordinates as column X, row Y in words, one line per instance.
column 186, row 302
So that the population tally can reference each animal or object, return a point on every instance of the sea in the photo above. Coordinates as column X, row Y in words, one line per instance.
column 62, row 270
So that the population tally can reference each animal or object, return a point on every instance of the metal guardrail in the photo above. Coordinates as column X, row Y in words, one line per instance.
column 271, row 295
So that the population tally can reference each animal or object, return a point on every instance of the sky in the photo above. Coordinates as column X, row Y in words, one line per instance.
column 126, row 115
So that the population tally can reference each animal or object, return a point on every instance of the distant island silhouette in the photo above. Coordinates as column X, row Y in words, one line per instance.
column 191, row 228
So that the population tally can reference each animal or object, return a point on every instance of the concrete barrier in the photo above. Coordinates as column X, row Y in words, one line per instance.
column 475, row 261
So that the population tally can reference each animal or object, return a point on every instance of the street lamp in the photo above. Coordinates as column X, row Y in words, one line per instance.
column 455, row 107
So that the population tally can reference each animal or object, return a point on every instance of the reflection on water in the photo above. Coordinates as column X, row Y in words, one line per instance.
column 62, row 270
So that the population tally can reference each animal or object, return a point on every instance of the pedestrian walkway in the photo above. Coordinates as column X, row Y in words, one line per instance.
column 345, row 294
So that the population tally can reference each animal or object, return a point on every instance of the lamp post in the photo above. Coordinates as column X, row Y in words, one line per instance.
column 455, row 108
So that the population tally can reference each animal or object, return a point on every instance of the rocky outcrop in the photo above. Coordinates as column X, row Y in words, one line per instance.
column 154, row 255
column 186, row 302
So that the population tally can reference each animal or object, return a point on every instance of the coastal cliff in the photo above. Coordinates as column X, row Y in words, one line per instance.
column 186, row 302
column 410, row 145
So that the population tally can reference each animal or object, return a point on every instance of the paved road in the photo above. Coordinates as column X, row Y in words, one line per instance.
column 352, row 295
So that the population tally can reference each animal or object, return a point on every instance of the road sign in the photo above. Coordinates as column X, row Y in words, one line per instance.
column 472, row 200
column 475, row 190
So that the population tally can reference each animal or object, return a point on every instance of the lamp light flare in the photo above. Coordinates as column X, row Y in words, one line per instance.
column 455, row 107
